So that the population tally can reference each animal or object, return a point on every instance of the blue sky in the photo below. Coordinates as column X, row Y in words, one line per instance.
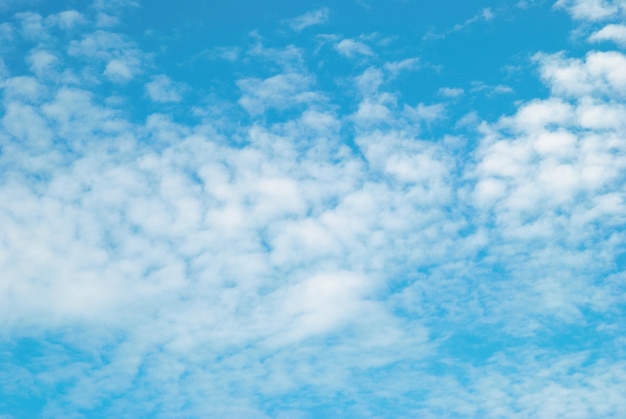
column 290, row 209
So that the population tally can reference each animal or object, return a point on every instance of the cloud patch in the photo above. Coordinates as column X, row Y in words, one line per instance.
column 312, row 18
column 351, row 48
column 612, row 32
column 311, row 242
column 592, row 10
column 162, row 89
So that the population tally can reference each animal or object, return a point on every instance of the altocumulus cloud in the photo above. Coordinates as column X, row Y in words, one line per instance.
column 293, row 249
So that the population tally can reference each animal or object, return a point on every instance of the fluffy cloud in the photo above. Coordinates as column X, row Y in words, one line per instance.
column 66, row 20
column 592, row 10
column 280, row 91
column 230, row 263
column 451, row 91
column 550, row 172
column 611, row 32
column 121, row 59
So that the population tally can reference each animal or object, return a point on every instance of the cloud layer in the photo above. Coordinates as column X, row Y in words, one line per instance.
column 301, row 252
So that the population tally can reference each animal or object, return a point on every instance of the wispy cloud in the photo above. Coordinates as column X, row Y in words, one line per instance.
column 280, row 91
column 121, row 58
column 161, row 89
column 451, row 91
column 67, row 19
column 407, row 64
column 478, row 86
column 352, row 48
column 611, row 32
column 485, row 15
column 593, row 10
column 312, row 18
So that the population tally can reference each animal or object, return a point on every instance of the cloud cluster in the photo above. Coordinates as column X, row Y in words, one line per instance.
column 592, row 10
column 157, row 267
column 549, row 175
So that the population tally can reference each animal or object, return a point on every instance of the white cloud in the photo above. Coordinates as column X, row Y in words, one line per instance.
column 114, row 5
column 451, row 91
column 7, row 4
column 32, row 25
column 25, row 123
column 593, row 10
column 4, row 73
column 6, row 32
column 312, row 18
column 373, row 111
column 543, row 388
column 611, row 32
column 408, row 64
column 28, row 89
column 121, row 58
column 208, row 264
column 370, row 81
column 105, row 20
column 225, row 53
column 322, row 303
column 281, row 91
column 351, row 48
column 161, row 89
column 67, row 19
column 118, row 71
column 427, row 113
column 289, row 58
column 543, row 170
column 42, row 62
column 502, row 89
column 100, row 44
column 485, row 14
column 600, row 73
column 285, row 237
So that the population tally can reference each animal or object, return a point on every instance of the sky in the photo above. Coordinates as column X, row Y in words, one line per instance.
column 290, row 209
